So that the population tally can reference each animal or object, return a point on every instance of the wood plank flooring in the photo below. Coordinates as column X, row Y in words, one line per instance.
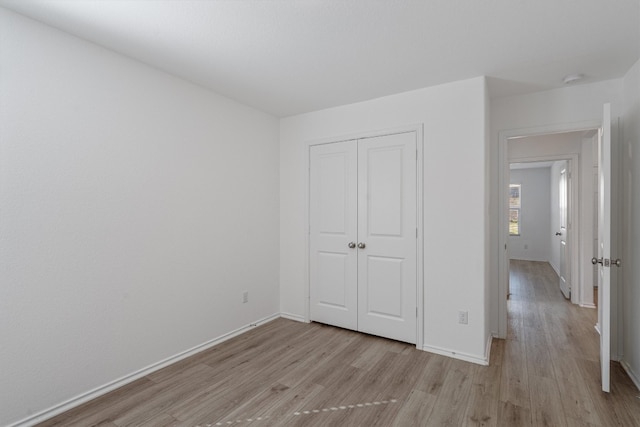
column 285, row 373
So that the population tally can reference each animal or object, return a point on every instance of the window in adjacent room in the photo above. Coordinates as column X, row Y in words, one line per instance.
column 514, row 209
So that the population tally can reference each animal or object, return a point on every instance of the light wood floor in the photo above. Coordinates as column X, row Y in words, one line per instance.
column 284, row 373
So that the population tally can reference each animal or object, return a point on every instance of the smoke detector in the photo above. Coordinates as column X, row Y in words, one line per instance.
column 572, row 78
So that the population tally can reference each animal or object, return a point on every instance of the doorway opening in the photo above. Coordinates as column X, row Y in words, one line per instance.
column 554, row 174
column 546, row 148
column 543, row 218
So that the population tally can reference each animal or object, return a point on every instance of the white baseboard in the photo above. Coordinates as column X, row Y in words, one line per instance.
column 524, row 258
column 104, row 389
column 632, row 375
column 457, row 355
column 588, row 305
column 295, row 317
column 555, row 268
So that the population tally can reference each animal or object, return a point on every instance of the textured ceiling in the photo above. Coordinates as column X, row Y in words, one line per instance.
column 292, row 56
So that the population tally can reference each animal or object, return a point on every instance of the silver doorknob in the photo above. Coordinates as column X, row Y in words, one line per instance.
column 352, row 245
column 361, row 245
column 595, row 260
column 616, row 262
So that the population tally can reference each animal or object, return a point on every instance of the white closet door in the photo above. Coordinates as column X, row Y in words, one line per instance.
column 333, row 227
column 387, row 230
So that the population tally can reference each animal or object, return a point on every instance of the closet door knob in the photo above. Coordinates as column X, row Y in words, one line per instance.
column 361, row 245
column 352, row 245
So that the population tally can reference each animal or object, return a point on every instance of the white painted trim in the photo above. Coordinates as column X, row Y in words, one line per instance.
column 307, row 235
column 487, row 350
column 503, row 235
column 120, row 382
column 420, row 241
column 503, row 174
column 295, row 317
column 415, row 127
column 555, row 267
column 418, row 129
column 635, row 378
column 479, row 360
column 589, row 305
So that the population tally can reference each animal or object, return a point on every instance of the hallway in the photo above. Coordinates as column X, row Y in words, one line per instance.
column 551, row 371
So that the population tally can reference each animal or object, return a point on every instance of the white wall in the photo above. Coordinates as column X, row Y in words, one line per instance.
column 534, row 240
column 134, row 210
column 570, row 105
column 454, row 221
column 631, row 220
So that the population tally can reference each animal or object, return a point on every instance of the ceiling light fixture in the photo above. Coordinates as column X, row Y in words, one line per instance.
column 572, row 78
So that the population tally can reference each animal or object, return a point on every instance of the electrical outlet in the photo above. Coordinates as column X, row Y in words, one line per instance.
column 463, row 317
column 245, row 297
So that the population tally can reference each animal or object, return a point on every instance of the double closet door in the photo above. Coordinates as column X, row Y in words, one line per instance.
column 363, row 235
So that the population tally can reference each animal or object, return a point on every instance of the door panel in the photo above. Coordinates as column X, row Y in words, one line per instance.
column 564, row 286
column 333, row 275
column 387, row 227
column 384, row 183
column 333, row 187
column 333, row 225
column 604, row 246
column 384, row 287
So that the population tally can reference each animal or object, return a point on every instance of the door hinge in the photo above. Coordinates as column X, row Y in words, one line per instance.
column 416, row 232
column 416, row 311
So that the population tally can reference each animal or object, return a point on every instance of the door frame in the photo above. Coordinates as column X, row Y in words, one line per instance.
column 418, row 129
column 503, row 207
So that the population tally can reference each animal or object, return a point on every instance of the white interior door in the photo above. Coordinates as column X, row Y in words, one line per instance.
column 604, row 246
column 387, row 236
column 332, row 234
column 565, row 270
